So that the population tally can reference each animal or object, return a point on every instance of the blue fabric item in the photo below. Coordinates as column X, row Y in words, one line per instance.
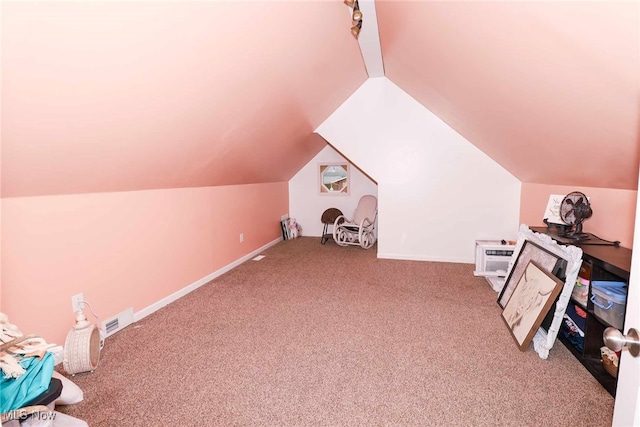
column 16, row 392
column 575, row 339
column 580, row 322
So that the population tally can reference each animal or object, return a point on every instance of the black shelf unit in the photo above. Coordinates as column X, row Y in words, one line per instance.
column 602, row 262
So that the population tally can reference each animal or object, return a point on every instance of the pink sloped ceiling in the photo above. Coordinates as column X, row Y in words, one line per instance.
column 550, row 90
column 118, row 96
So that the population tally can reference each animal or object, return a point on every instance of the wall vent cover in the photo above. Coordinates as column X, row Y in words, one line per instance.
column 121, row 321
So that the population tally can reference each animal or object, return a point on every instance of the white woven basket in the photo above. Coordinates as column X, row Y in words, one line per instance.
column 82, row 350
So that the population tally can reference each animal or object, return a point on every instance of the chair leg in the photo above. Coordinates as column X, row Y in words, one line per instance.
column 367, row 240
column 324, row 237
column 340, row 236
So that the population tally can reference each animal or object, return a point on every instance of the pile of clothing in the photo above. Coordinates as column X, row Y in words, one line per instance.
column 27, row 365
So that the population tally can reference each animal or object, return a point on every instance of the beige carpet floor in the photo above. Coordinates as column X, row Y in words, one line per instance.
column 319, row 335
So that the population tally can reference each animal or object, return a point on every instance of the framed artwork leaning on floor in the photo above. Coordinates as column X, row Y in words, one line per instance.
column 533, row 296
column 566, row 269
column 530, row 251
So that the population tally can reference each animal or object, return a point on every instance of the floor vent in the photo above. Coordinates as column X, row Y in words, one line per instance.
column 122, row 320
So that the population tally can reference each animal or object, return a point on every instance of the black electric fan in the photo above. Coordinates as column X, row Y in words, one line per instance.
column 574, row 209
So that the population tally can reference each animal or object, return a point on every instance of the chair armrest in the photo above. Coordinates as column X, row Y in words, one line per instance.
column 365, row 222
column 339, row 220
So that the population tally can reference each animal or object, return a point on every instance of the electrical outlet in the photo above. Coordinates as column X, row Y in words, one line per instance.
column 241, row 237
column 77, row 302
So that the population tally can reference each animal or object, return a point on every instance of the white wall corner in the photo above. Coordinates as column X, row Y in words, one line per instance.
column 437, row 192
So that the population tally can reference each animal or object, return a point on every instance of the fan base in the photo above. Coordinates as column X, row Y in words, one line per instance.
column 575, row 236
column 560, row 229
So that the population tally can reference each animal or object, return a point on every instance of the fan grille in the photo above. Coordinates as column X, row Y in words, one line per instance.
column 574, row 209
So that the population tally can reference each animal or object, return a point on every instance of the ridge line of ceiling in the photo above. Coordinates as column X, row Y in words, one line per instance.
column 369, row 39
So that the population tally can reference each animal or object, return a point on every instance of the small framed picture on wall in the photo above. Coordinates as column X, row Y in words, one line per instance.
column 333, row 178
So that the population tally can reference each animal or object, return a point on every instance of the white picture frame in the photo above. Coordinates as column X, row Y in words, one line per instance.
column 543, row 340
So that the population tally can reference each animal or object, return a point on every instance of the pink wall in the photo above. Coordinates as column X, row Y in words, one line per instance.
column 127, row 249
column 613, row 210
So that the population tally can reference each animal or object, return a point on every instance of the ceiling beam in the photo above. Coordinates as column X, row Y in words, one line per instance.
column 369, row 39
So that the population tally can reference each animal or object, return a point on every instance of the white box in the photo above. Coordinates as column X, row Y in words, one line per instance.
column 493, row 257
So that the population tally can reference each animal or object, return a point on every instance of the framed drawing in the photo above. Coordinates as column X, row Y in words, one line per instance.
column 333, row 178
column 533, row 296
column 566, row 269
column 530, row 251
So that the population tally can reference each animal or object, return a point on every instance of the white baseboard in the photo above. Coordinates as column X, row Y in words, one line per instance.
column 195, row 285
column 424, row 258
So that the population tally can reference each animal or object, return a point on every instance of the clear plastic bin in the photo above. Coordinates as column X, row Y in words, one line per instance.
column 609, row 301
